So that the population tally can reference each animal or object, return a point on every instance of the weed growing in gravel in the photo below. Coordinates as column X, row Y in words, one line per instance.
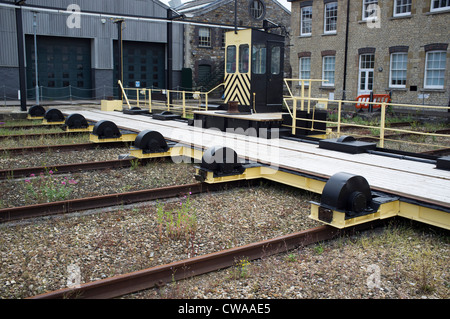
column 178, row 223
column 47, row 187
column 241, row 269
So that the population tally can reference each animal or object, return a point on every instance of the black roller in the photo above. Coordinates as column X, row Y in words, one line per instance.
column 36, row 110
column 221, row 160
column 75, row 120
column 151, row 142
column 106, row 129
column 54, row 115
column 348, row 193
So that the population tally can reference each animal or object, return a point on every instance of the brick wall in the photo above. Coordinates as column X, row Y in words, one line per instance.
column 414, row 34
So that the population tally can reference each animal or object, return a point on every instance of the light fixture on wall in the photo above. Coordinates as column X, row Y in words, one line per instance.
column 380, row 69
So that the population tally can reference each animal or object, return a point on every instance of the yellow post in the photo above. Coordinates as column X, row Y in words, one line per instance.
column 339, row 118
column 124, row 94
column 168, row 100
column 294, row 116
column 309, row 95
column 137, row 97
column 206, row 102
column 303, row 95
column 184, row 104
column 382, row 123
column 150, row 100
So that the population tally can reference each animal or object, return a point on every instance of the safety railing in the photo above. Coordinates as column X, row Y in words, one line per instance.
column 379, row 126
column 182, row 102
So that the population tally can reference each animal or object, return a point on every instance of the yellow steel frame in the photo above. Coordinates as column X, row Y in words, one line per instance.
column 87, row 129
column 45, row 122
column 393, row 208
column 29, row 117
column 124, row 138
column 416, row 212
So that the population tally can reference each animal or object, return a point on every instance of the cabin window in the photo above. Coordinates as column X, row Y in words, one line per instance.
column 259, row 59
column 231, row 59
column 275, row 63
column 243, row 58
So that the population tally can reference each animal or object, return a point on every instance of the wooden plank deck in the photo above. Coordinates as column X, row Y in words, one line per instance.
column 421, row 181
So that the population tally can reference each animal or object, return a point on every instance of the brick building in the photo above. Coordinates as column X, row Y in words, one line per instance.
column 204, row 45
column 398, row 47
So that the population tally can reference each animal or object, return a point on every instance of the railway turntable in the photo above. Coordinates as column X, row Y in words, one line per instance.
column 416, row 190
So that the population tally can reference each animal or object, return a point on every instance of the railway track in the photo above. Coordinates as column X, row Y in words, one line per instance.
column 156, row 276
column 62, row 147
column 66, row 168
column 40, row 135
column 75, row 205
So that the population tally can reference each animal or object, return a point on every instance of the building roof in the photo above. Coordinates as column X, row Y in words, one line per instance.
column 195, row 7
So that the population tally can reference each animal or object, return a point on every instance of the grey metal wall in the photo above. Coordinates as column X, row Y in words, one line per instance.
column 101, row 33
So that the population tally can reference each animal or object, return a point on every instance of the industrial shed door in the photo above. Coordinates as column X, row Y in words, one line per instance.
column 143, row 63
column 62, row 62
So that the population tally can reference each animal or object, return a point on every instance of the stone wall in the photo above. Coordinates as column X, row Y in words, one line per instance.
column 224, row 14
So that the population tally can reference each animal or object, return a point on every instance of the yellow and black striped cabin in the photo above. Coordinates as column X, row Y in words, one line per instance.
column 254, row 63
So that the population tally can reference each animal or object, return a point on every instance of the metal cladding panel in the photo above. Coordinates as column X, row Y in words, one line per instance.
column 8, row 38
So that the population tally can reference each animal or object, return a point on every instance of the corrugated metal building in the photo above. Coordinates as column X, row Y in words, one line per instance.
column 77, row 47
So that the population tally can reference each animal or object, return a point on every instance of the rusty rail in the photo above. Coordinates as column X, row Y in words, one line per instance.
column 148, row 278
column 70, row 206
column 40, row 135
column 75, row 167
column 62, row 147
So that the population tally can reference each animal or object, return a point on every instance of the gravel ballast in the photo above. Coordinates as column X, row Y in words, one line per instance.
column 403, row 260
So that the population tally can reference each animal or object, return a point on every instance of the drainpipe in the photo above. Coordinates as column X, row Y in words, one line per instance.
column 344, row 97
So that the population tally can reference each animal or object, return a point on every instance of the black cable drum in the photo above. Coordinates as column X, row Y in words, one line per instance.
column 106, row 129
column 36, row 110
column 151, row 142
column 347, row 192
column 75, row 120
column 54, row 115
column 221, row 160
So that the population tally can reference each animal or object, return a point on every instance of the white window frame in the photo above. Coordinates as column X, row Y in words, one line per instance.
column 325, row 18
column 301, row 22
column 444, row 8
column 427, row 70
column 300, row 70
column 206, row 42
column 366, row 3
column 328, row 83
column 391, row 69
column 397, row 4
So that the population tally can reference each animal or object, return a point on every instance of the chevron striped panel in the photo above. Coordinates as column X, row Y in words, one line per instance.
column 237, row 88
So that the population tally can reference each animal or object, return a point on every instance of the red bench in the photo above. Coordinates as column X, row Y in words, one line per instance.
column 364, row 98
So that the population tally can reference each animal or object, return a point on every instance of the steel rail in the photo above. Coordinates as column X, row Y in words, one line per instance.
column 28, row 127
column 40, row 135
column 70, row 168
column 81, row 204
column 62, row 147
column 159, row 275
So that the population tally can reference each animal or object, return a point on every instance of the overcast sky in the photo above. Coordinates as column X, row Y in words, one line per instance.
column 283, row 2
